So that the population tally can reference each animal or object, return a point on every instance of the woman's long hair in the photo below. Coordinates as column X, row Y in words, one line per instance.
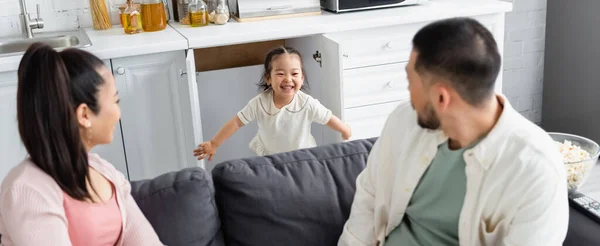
column 51, row 86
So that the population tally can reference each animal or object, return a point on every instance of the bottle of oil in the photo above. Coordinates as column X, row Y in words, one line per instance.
column 198, row 12
column 131, row 19
column 154, row 17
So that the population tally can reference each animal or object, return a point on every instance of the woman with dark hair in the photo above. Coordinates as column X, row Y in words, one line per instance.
column 67, row 103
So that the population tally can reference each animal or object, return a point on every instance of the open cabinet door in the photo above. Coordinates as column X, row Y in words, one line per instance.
column 194, row 100
column 332, row 86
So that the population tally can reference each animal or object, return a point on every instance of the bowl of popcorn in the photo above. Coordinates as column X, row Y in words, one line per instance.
column 579, row 156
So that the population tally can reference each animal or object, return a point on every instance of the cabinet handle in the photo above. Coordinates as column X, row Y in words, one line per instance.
column 390, row 84
column 389, row 45
column 182, row 73
column 120, row 71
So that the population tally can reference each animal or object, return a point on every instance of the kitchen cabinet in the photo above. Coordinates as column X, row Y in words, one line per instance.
column 361, row 72
column 11, row 147
column 159, row 118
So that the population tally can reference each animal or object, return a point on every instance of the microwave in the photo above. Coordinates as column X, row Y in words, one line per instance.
column 339, row 6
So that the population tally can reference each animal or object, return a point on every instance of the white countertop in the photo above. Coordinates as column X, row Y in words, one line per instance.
column 114, row 43
column 327, row 22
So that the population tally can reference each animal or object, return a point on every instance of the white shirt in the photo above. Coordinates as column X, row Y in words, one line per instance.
column 285, row 129
column 516, row 183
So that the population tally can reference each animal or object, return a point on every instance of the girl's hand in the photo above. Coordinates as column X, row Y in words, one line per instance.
column 347, row 134
column 206, row 149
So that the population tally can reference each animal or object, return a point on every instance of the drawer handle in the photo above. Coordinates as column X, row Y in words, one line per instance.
column 389, row 45
column 390, row 84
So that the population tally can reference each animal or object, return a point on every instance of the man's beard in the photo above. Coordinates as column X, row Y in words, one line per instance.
column 428, row 119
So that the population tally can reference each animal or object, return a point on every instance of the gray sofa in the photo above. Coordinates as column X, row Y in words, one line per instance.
column 298, row 198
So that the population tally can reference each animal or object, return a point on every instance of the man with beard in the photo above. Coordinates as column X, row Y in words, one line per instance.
column 458, row 165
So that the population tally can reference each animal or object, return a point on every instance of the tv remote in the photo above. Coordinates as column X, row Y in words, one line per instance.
column 586, row 204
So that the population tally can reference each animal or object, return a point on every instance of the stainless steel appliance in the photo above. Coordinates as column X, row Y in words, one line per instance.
column 339, row 6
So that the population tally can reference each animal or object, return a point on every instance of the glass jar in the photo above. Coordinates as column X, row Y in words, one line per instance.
column 198, row 12
column 182, row 11
column 222, row 15
column 100, row 16
column 154, row 15
column 212, row 6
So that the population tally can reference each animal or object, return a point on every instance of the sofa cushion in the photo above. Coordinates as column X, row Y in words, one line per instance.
column 299, row 198
column 181, row 207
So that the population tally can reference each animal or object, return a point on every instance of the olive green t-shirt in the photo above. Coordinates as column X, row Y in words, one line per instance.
column 433, row 211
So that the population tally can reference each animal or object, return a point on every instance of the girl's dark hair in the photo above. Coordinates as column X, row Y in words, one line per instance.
column 274, row 53
column 51, row 86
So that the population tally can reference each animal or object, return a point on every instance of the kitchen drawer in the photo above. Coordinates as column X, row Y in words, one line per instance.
column 382, row 45
column 373, row 85
column 376, row 46
column 368, row 121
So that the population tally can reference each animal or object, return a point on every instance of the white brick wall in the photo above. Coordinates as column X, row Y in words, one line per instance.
column 57, row 14
column 524, row 56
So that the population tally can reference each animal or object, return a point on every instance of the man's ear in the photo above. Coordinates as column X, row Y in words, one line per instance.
column 443, row 95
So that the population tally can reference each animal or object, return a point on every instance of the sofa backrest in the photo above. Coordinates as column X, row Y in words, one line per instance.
column 181, row 207
column 295, row 198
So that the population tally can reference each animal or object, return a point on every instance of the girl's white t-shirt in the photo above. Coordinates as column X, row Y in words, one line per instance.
column 285, row 129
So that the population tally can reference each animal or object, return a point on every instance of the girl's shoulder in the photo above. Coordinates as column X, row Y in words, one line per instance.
column 305, row 100
column 264, row 96
column 304, row 97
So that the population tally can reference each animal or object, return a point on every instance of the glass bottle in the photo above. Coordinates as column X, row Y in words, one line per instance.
column 221, row 16
column 131, row 19
column 198, row 13
column 154, row 16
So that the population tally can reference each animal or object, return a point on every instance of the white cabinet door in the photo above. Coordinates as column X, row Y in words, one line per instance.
column 331, row 83
column 156, row 117
column 115, row 151
column 11, row 147
column 191, row 103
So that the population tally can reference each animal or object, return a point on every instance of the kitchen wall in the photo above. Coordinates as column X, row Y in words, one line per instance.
column 524, row 56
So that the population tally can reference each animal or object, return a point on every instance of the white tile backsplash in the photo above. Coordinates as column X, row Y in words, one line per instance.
column 58, row 15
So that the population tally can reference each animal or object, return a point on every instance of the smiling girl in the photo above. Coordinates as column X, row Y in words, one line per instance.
column 284, row 113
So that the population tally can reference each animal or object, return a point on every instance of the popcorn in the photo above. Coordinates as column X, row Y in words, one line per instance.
column 579, row 162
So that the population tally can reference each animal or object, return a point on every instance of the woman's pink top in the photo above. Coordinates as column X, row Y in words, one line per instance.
column 32, row 208
column 96, row 223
